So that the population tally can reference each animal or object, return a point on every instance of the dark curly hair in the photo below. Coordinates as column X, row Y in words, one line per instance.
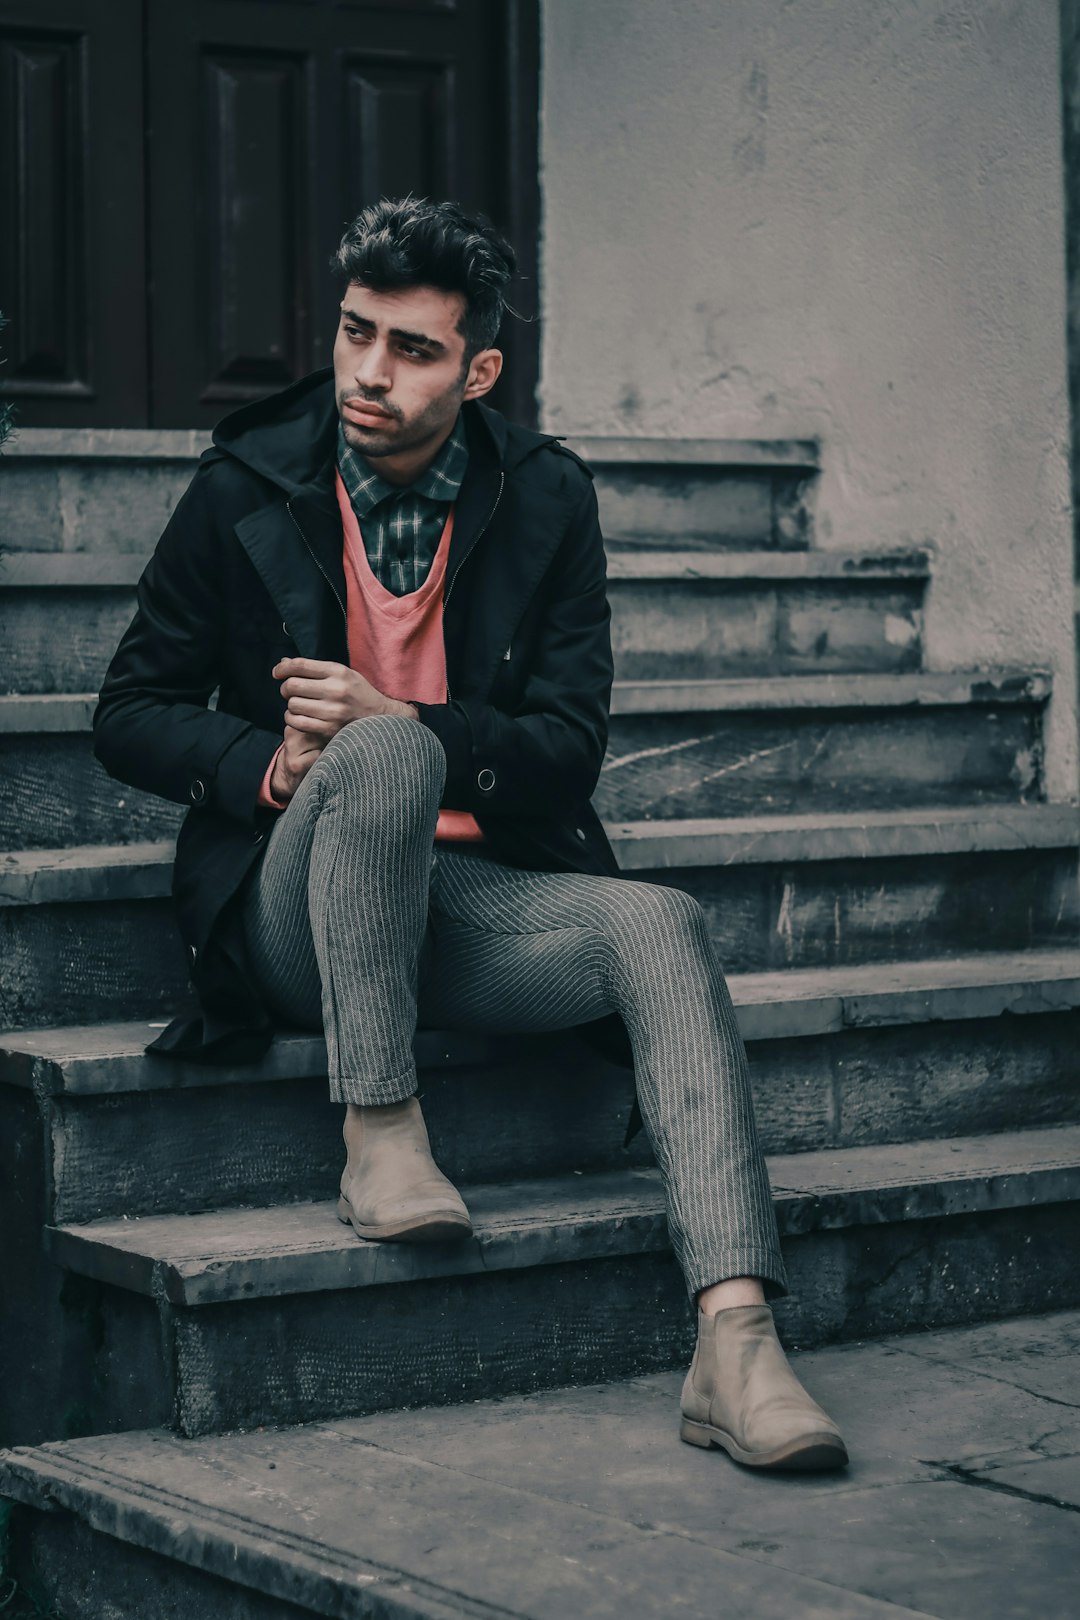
column 414, row 242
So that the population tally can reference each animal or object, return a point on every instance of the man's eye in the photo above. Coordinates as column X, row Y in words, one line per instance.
column 414, row 354
column 354, row 332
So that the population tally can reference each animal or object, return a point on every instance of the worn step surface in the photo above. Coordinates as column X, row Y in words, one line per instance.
column 115, row 489
column 854, row 1057
column 959, row 1502
column 838, row 1057
column 91, row 489
column 90, row 928
column 694, row 748
column 674, row 614
column 566, row 1278
column 54, row 793
column 301, row 1248
column 694, row 615
column 728, row 748
column 707, row 493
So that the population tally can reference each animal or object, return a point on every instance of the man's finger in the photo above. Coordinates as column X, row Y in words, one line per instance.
column 312, row 726
column 315, row 708
column 313, row 669
column 298, row 686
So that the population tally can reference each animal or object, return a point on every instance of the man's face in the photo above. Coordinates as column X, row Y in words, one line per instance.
column 400, row 374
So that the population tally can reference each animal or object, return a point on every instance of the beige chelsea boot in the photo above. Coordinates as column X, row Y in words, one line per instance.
column 391, row 1188
column 741, row 1394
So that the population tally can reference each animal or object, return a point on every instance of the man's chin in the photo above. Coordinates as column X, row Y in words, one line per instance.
column 369, row 441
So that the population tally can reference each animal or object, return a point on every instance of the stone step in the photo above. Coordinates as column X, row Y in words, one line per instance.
column 826, row 742
column 115, row 489
column 566, row 1279
column 704, row 493
column 89, row 928
column 839, row 1057
column 676, row 748
column 582, row 1503
column 53, row 792
column 686, row 614
column 675, row 614
column 94, row 489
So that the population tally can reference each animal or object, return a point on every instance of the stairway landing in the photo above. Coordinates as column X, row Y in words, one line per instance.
column 961, row 1502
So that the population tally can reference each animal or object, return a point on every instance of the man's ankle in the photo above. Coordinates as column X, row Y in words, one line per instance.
column 357, row 1115
column 732, row 1292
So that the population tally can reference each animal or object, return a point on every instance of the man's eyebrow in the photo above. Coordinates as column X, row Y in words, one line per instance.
column 419, row 340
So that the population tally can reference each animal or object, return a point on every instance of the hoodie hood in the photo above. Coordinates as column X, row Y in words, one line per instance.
column 290, row 438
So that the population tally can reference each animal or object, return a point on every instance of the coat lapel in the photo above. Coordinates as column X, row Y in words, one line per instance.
column 296, row 550
column 520, row 537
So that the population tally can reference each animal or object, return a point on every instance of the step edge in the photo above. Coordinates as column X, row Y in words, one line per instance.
column 856, row 835
column 142, row 870
column 167, row 444
column 765, row 567
column 516, row 1243
column 118, row 570
column 49, row 713
column 874, row 690
column 300, row 1569
column 1051, row 986
column 108, row 444
column 624, row 449
column 73, row 570
column 220, row 1543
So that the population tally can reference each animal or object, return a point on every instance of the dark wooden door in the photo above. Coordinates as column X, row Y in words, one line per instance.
column 254, row 131
column 72, row 227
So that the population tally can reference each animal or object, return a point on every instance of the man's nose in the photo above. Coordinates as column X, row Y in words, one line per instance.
column 372, row 368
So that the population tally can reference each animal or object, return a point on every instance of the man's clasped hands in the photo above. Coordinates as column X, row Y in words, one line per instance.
column 321, row 698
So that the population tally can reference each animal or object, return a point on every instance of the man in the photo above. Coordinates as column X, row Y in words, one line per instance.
column 400, row 599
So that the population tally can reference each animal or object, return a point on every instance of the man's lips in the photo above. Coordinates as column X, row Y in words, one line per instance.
column 361, row 411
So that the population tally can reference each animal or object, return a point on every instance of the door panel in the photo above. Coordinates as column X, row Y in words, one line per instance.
column 399, row 121
column 270, row 127
column 182, row 173
column 72, row 240
column 254, row 128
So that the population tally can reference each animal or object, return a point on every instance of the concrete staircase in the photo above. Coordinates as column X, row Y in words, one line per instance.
column 894, row 900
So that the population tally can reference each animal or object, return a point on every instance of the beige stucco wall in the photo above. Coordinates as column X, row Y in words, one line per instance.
column 839, row 218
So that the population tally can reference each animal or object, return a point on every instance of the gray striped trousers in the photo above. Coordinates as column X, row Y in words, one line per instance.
column 349, row 899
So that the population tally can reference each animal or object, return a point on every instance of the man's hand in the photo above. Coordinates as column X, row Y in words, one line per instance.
column 295, row 758
column 323, row 697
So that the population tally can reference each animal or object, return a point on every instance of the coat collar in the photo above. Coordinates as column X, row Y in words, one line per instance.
column 290, row 439
column 295, row 543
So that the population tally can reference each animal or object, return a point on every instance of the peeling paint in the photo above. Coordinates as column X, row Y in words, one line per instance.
column 900, row 632
column 785, row 926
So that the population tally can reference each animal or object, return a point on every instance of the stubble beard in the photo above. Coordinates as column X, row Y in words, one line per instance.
column 434, row 421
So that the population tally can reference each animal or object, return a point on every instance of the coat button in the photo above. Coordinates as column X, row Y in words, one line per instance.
column 197, row 790
column 486, row 780
column 258, row 837
column 580, row 832
column 194, row 952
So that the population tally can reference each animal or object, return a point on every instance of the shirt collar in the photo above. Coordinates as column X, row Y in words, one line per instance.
column 440, row 481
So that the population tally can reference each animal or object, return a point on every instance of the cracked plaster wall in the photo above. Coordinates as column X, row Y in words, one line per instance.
column 766, row 218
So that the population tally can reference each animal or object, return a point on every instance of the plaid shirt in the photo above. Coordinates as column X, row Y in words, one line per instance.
column 402, row 524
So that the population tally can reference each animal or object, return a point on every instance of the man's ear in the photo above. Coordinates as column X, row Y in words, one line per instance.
column 483, row 374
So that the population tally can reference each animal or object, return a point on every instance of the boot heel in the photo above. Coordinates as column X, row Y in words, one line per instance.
column 343, row 1210
column 695, row 1434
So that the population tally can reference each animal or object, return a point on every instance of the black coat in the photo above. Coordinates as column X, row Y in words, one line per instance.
column 249, row 570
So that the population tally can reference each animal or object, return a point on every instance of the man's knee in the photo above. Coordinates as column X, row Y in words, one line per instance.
column 653, row 910
column 385, row 764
